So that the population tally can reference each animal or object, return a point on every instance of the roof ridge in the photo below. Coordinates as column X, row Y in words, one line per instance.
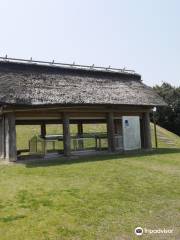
column 68, row 65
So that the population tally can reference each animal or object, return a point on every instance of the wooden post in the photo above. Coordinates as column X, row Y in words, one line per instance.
column 80, row 132
column 142, row 133
column 2, row 153
column 66, row 135
column 118, row 126
column 155, row 131
column 43, row 130
column 10, row 137
column 111, row 132
column 146, row 131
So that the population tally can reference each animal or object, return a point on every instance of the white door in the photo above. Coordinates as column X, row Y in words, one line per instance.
column 131, row 133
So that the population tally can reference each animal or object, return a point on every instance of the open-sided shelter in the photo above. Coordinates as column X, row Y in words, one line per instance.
column 41, row 93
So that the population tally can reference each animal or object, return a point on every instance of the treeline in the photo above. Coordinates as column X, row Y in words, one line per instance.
column 169, row 117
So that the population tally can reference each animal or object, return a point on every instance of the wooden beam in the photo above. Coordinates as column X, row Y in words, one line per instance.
column 111, row 132
column 10, row 137
column 70, row 107
column 59, row 121
column 146, row 128
column 76, row 109
column 66, row 135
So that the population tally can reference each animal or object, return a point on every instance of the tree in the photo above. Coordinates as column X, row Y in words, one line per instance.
column 169, row 116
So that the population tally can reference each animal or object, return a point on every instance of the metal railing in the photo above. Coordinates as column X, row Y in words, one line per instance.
column 67, row 65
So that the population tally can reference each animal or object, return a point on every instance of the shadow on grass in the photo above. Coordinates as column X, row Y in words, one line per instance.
column 94, row 158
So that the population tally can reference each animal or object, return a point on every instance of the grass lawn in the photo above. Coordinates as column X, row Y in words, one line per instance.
column 92, row 198
column 99, row 198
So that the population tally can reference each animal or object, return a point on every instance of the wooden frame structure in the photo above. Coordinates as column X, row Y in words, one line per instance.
column 79, row 115
column 39, row 93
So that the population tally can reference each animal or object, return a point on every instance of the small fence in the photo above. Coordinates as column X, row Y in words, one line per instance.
column 118, row 142
column 86, row 141
column 41, row 146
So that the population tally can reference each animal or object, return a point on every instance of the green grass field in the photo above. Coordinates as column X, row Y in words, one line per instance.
column 92, row 197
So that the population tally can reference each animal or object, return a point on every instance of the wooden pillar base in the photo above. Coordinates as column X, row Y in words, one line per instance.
column 118, row 126
column 80, row 132
column 146, row 132
column 43, row 130
column 10, row 138
column 66, row 135
column 111, row 132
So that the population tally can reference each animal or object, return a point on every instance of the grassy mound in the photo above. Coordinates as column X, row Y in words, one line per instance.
column 166, row 139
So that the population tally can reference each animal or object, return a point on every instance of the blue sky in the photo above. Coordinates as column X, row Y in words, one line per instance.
column 136, row 34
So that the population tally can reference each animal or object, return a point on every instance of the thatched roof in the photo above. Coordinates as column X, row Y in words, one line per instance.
column 33, row 84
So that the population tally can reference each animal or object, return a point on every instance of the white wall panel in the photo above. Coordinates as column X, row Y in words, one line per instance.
column 131, row 133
